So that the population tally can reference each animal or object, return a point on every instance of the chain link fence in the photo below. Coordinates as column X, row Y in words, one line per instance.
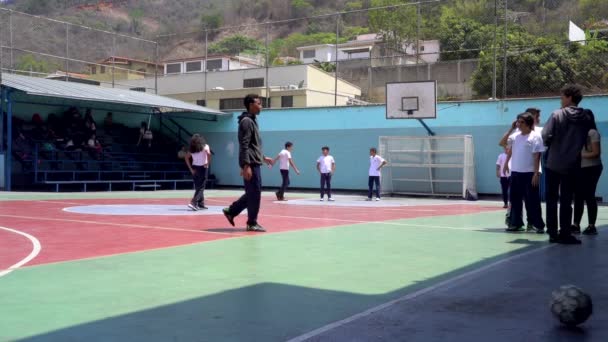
column 44, row 47
column 477, row 49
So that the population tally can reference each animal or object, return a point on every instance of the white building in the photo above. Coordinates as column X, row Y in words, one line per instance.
column 361, row 48
column 286, row 86
column 429, row 50
column 364, row 47
column 213, row 63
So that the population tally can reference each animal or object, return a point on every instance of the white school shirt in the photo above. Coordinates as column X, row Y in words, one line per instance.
column 523, row 148
column 284, row 157
column 374, row 164
column 502, row 158
column 200, row 158
column 539, row 130
column 326, row 163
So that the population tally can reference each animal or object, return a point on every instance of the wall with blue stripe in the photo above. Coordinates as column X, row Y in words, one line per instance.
column 351, row 131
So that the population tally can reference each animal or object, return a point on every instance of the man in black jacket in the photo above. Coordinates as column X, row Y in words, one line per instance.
column 565, row 134
column 250, row 160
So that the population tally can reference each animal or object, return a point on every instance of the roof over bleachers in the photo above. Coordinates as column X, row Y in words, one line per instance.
column 54, row 92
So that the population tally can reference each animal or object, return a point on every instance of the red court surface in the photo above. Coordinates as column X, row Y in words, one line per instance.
column 66, row 236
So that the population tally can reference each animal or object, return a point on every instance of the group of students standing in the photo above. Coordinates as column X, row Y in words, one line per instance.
column 251, row 158
column 568, row 147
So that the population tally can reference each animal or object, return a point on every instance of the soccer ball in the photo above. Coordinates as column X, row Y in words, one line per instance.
column 571, row 305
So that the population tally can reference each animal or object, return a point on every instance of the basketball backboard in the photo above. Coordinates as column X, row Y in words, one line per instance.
column 411, row 100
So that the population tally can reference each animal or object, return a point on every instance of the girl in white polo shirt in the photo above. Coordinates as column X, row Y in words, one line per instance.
column 199, row 168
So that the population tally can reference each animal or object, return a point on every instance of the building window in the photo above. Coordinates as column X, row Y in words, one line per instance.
column 286, row 101
column 310, row 53
column 102, row 69
column 422, row 48
column 174, row 68
column 141, row 89
column 214, row 64
column 93, row 69
column 231, row 104
column 253, row 82
column 201, row 103
column 237, row 103
column 194, row 66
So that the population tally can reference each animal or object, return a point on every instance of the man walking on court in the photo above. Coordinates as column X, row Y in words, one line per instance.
column 250, row 160
column 565, row 134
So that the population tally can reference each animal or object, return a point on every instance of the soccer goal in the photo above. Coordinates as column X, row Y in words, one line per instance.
column 430, row 165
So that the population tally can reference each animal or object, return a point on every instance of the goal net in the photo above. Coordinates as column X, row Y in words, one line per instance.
column 432, row 165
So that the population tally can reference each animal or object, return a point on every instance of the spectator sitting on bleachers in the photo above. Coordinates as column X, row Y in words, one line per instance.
column 22, row 147
column 145, row 134
column 94, row 147
column 89, row 123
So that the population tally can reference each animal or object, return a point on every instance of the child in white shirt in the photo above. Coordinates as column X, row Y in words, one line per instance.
column 524, row 150
column 326, row 165
column 375, row 164
column 504, row 177
column 284, row 158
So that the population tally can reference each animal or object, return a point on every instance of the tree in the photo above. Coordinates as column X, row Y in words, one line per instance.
column 300, row 8
column 212, row 21
column 398, row 26
column 535, row 66
column 236, row 44
column 591, row 64
column 462, row 38
column 31, row 63
column 136, row 16
column 596, row 9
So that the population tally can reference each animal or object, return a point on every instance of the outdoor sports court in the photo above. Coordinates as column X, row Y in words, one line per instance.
column 138, row 266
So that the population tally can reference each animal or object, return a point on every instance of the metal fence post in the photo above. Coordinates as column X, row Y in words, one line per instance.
column 336, row 63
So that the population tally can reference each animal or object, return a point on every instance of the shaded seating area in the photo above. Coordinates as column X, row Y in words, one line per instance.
column 59, row 148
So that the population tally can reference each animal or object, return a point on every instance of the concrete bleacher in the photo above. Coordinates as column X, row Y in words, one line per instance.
column 122, row 165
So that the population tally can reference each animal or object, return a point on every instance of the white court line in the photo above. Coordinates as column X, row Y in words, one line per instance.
column 444, row 284
column 58, row 202
column 36, row 248
column 127, row 225
column 370, row 222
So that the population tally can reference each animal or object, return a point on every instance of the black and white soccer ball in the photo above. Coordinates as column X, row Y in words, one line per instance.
column 571, row 305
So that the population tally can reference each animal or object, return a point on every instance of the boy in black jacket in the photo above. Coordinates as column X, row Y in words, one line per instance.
column 250, row 160
column 565, row 134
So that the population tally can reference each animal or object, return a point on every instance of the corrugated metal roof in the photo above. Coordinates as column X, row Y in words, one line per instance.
column 78, row 91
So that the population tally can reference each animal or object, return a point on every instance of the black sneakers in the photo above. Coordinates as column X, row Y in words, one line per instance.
column 514, row 229
column 229, row 217
column 591, row 230
column 575, row 229
column 255, row 228
column 564, row 240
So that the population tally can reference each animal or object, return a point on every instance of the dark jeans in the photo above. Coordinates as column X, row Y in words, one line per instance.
column 504, row 184
column 523, row 190
column 285, row 183
column 251, row 199
column 586, row 183
column 200, row 179
column 370, row 184
column 326, row 181
column 560, row 187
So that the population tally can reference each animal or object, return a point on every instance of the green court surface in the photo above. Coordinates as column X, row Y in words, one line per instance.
column 266, row 287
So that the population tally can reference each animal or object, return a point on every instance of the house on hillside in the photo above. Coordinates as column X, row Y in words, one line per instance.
column 371, row 46
column 279, row 87
column 212, row 63
column 122, row 68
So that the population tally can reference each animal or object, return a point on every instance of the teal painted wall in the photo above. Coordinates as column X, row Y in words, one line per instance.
column 351, row 131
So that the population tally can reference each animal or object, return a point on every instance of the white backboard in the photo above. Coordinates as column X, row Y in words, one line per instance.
column 411, row 100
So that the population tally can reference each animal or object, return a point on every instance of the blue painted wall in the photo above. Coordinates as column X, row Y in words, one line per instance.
column 350, row 131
